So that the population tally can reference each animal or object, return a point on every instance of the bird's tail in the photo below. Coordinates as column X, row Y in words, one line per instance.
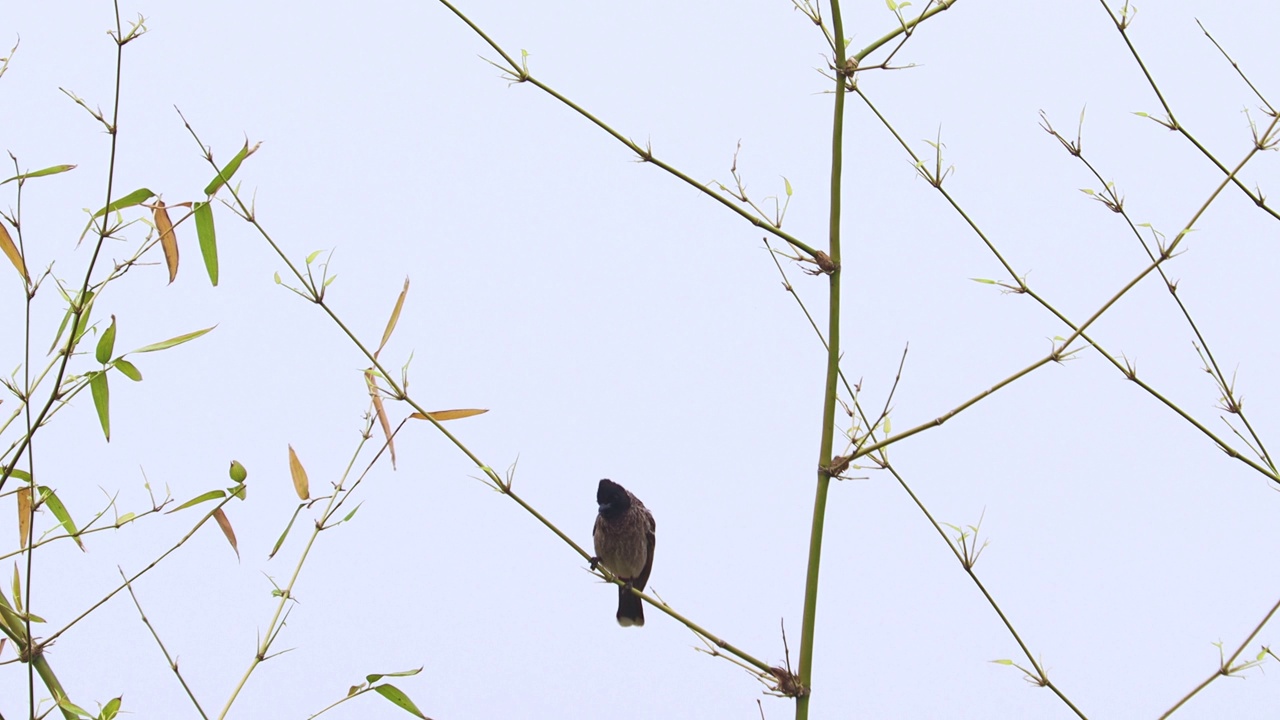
column 630, row 608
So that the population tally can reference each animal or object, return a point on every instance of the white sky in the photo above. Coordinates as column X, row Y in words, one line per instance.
column 619, row 324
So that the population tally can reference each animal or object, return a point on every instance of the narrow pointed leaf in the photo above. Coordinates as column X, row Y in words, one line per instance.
column 378, row 408
column 171, row 342
column 24, row 516
column 137, row 197
column 400, row 700
column 50, row 499
column 395, row 317
column 276, row 548
column 208, row 240
column 102, row 401
column 353, row 512
column 225, row 524
column 106, row 343
column 299, row 474
column 65, row 704
column 17, row 588
column 442, row 415
column 128, row 369
column 11, row 251
column 371, row 679
column 211, row 495
column 54, row 170
column 168, row 240
column 229, row 170
column 111, row 709
column 86, row 303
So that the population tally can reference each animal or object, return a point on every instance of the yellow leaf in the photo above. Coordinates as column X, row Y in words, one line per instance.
column 225, row 524
column 372, row 382
column 24, row 516
column 168, row 241
column 11, row 251
column 395, row 317
column 299, row 474
column 442, row 415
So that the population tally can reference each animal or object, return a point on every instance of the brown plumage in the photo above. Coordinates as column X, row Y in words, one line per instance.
column 624, row 543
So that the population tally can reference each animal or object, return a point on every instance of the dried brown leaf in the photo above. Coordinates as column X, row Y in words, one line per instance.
column 225, row 524
column 168, row 240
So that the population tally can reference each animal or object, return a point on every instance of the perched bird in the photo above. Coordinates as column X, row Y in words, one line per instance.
column 624, row 544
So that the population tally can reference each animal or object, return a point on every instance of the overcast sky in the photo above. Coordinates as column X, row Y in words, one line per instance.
column 619, row 323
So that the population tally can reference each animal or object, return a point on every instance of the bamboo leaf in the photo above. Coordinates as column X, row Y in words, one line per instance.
column 128, row 369
column 171, row 342
column 371, row 679
column 24, row 516
column 208, row 240
column 53, row 170
column 225, row 524
column 299, row 475
column 137, row 197
column 442, row 415
column 211, row 495
column 378, row 408
column 168, row 240
column 395, row 317
column 49, row 498
column 11, row 251
column 102, row 401
column 106, row 343
column 280, row 541
column 229, row 170
column 400, row 700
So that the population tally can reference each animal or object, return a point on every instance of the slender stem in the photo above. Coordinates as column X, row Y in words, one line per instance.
column 832, row 376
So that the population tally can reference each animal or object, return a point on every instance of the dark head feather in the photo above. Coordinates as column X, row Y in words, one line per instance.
column 613, row 499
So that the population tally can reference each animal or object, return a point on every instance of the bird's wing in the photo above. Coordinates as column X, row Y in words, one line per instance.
column 650, row 541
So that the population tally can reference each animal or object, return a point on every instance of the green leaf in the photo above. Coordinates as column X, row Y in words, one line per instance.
column 127, row 369
column 371, row 679
column 85, row 303
column 276, row 548
column 101, row 401
column 312, row 257
column 208, row 240
column 110, row 710
column 65, row 704
column 352, row 513
column 228, row 171
column 17, row 474
column 399, row 699
column 985, row 281
column 54, row 170
column 787, row 183
column 166, row 344
column 137, row 197
column 49, row 498
column 211, row 495
column 106, row 343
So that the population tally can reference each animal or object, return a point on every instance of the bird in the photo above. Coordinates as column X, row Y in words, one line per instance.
column 624, row 540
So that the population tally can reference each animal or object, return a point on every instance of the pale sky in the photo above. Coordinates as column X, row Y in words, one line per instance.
column 618, row 323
